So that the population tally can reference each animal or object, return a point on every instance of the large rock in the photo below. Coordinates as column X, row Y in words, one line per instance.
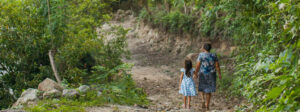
column 28, row 96
column 52, row 94
column 83, row 88
column 70, row 93
column 48, row 85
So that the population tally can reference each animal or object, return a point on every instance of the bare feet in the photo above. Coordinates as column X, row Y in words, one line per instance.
column 184, row 106
column 206, row 106
column 203, row 105
column 189, row 107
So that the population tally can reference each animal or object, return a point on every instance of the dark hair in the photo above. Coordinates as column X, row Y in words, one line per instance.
column 207, row 46
column 188, row 66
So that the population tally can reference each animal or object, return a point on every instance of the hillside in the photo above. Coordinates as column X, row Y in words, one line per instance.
column 126, row 55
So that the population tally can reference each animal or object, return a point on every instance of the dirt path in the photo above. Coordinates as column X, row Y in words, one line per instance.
column 158, row 73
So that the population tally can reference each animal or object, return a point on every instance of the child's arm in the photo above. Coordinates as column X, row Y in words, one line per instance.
column 197, row 69
column 181, row 77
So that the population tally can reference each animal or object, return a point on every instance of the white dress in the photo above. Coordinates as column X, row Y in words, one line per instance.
column 187, row 87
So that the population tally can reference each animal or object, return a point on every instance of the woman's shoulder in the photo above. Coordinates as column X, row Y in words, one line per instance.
column 213, row 54
column 204, row 54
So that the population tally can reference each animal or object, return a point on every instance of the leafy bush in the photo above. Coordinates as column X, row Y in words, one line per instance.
column 174, row 21
column 120, row 89
column 144, row 15
column 28, row 30
column 269, row 78
column 118, row 86
column 267, row 33
column 177, row 21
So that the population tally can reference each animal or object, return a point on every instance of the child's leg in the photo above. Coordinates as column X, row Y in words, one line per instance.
column 184, row 100
column 189, row 101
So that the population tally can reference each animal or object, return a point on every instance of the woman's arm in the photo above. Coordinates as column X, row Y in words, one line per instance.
column 197, row 69
column 218, row 69
column 181, row 77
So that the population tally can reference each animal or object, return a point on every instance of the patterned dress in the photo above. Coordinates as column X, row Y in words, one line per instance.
column 207, row 74
column 187, row 87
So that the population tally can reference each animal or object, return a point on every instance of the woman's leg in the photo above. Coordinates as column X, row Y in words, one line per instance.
column 208, row 96
column 201, row 94
column 184, row 100
column 189, row 102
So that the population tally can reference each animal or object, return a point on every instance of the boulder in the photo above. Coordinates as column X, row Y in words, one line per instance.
column 28, row 96
column 52, row 94
column 83, row 88
column 70, row 93
column 48, row 85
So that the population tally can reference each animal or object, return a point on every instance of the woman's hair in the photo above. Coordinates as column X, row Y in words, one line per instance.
column 207, row 46
column 188, row 66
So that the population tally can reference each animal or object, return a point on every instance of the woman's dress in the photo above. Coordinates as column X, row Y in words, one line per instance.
column 207, row 74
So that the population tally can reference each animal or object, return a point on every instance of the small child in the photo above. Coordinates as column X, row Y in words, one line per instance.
column 186, row 83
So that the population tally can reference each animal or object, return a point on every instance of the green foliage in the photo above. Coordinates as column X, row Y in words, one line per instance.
column 27, row 34
column 119, row 90
column 269, row 78
column 174, row 21
column 267, row 33
column 103, row 75
column 177, row 21
column 118, row 85
column 57, row 105
column 76, row 69
column 23, row 46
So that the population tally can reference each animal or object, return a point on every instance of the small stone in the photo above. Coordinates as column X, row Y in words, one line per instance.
column 48, row 85
column 159, row 109
column 84, row 88
column 70, row 93
column 168, row 109
column 29, row 95
column 52, row 94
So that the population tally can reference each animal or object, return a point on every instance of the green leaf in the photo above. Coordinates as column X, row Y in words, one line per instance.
column 274, row 93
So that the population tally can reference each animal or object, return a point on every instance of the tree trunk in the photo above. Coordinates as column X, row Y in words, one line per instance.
column 185, row 10
column 167, row 5
column 145, row 3
column 54, row 67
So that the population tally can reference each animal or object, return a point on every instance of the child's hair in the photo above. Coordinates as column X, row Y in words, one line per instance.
column 188, row 66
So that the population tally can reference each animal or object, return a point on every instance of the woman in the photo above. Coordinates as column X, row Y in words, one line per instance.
column 208, row 64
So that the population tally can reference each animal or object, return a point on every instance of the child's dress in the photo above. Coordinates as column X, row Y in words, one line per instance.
column 187, row 87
